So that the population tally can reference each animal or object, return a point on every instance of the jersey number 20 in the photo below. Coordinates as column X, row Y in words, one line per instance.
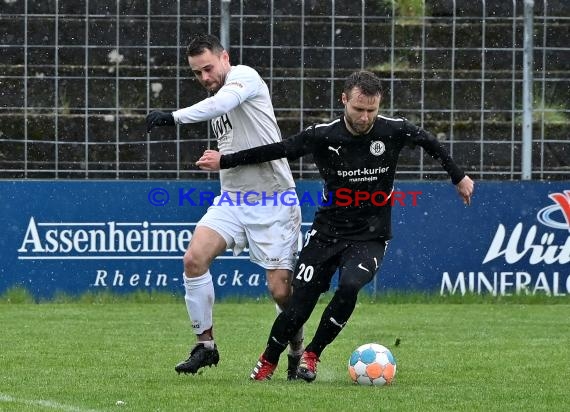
column 305, row 272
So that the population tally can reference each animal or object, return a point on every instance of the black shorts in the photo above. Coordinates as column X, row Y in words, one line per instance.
column 321, row 256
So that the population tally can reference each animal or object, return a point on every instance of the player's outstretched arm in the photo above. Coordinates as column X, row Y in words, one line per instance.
column 158, row 118
column 210, row 160
column 465, row 189
column 292, row 148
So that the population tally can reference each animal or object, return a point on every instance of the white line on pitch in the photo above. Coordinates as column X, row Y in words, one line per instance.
column 43, row 403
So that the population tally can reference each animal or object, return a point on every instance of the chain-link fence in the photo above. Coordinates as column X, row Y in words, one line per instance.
column 77, row 78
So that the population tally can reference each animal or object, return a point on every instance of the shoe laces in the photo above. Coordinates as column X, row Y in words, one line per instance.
column 309, row 361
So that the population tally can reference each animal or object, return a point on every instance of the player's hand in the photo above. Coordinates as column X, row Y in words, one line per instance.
column 210, row 160
column 158, row 118
column 465, row 189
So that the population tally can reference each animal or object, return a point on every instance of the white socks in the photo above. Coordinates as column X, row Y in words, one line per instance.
column 200, row 301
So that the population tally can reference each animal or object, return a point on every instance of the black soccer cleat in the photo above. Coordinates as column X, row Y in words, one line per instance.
column 200, row 357
column 292, row 365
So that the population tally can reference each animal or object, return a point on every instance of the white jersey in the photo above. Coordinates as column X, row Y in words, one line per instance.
column 242, row 117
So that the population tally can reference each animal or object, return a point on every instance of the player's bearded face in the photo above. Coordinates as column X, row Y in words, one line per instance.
column 360, row 110
column 210, row 68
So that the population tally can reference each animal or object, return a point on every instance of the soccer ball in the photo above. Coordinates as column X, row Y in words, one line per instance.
column 372, row 364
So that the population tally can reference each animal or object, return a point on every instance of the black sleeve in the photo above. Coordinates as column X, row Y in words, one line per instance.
column 291, row 148
column 419, row 137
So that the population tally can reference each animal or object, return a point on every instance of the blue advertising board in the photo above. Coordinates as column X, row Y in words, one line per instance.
column 123, row 236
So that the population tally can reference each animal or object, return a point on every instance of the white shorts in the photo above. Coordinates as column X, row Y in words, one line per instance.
column 271, row 231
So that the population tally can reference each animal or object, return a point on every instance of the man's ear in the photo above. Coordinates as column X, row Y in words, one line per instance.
column 225, row 56
column 344, row 98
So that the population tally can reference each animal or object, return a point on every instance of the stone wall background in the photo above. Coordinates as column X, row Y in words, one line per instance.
column 78, row 77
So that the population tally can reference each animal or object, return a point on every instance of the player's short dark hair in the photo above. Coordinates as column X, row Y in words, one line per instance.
column 201, row 42
column 366, row 81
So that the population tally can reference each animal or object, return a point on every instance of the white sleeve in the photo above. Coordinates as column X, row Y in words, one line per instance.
column 207, row 109
column 239, row 86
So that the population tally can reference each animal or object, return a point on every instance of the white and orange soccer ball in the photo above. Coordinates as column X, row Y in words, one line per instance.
column 372, row 364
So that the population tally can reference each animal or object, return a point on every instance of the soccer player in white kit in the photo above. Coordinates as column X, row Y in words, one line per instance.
column 242, row 117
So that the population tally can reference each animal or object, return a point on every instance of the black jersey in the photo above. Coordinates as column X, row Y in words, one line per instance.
column 349, row 164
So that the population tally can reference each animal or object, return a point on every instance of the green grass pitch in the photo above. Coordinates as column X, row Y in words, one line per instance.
column 86, row 355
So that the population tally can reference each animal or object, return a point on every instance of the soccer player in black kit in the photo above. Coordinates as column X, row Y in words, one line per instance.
column 357, row 155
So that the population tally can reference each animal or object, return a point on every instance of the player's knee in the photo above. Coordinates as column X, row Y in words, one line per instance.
column 351, row 285
column 280, row 293
column 350, row 288
column 279, row 286
column 194, row 264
